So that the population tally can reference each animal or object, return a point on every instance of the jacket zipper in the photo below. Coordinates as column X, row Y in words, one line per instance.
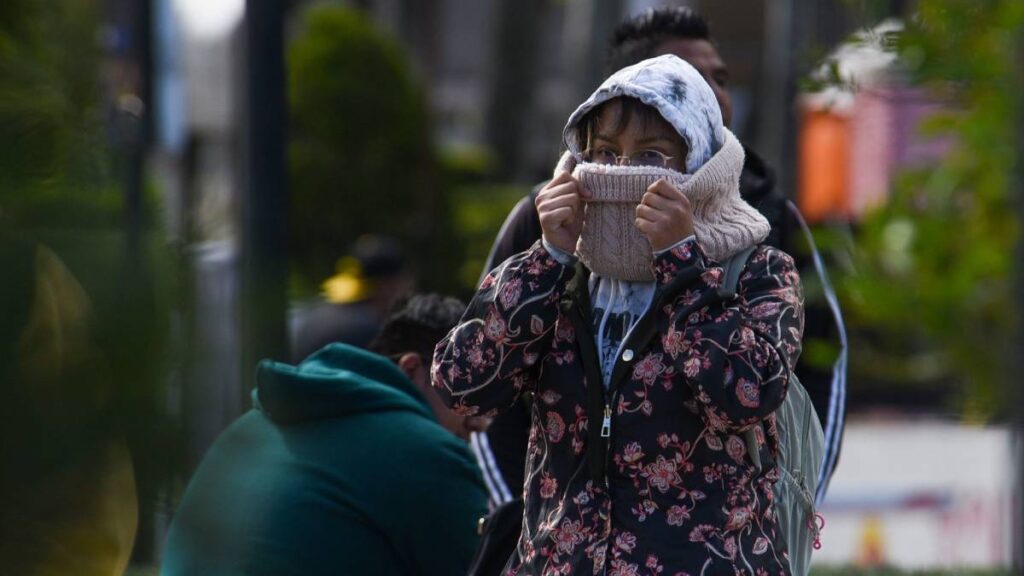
column 606, row 435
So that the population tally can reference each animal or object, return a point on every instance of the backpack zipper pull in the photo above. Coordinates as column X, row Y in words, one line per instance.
column 606, row 424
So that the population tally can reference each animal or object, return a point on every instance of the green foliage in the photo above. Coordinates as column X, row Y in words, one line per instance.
column 58, row 187
column 361, row 159
column 934, row 264
column 481, row 209
column 54, row 163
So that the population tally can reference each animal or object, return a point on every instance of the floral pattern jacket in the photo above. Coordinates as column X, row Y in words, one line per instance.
column 676, row 492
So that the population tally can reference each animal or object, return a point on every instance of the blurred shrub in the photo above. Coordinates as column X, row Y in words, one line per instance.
column 59, row 188
column 934, row 264
column 361, row 158
column 55, row 164
column 480, row 211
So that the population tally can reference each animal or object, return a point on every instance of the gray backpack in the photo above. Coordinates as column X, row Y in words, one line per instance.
column 801, row 452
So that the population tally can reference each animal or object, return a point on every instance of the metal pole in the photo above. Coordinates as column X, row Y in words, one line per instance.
column 605, row 17
column 514, row 77
column 778, row 27
column 134, row 113
column 1012, row 378
column 264, row 200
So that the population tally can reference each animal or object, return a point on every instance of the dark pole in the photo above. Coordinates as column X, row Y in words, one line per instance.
column 606, row 16
column 514, row 77
column 134, row 113
column 133, row 116
column 1016, row 389
column 264, row 199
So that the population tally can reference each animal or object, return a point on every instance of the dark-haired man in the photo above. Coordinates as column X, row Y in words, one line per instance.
column 341, row 467
column 501, row 451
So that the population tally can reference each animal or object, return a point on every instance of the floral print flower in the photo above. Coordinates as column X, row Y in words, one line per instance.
column 556, row 427
column 738, row 518
column 509, row 293
column 662, row 474
column 677, row 515
column 701, row 533
column 735, row 448
column 494, row 327
column 568, row 535
column 632, row 453
column 748, row 393
column 648, row 369
column 625, row 541
column 622, row 568
column 550, row 397
column 548, row 486
column 692, row 367
column 765, row 310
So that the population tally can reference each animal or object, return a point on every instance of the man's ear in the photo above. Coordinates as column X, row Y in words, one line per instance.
column 410, row 364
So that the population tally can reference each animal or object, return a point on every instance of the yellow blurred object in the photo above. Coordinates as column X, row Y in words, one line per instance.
column 81, row 520
column 55, row 341
column 348, row 285
column 81, row 517
column 871, row 548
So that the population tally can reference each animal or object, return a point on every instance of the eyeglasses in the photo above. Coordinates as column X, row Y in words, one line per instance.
column 651, row 158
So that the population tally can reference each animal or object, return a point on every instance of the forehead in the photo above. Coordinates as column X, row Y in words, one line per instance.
column 701, row 54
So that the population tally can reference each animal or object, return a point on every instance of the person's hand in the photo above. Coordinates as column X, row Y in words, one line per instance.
column 560, row 209
column 664, row 215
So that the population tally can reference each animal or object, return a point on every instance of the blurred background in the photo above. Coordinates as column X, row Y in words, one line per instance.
column 202, row 176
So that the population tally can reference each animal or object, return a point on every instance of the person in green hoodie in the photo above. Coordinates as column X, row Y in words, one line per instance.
column 341, row 467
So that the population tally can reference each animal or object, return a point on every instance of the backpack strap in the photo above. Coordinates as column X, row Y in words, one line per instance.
column 835, row 419
column 734, row 266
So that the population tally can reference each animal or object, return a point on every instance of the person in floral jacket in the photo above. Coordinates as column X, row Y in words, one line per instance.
column 643, row 382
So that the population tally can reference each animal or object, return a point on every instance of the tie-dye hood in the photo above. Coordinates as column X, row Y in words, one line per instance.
column 677, row 91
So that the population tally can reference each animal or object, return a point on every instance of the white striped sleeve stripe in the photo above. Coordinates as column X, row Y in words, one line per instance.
column 496, row 488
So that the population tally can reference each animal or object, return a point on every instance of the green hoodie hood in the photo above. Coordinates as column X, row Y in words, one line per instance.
column 336, row 381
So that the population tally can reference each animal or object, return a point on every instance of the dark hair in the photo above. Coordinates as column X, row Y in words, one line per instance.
column 417, row 324
column 636, row 39
column 628, row 107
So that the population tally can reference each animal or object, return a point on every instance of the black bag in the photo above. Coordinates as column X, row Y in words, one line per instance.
column 499, row 535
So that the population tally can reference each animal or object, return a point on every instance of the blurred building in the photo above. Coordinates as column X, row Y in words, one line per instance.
column 860, row 130
column 197, row 163
column 505, row 74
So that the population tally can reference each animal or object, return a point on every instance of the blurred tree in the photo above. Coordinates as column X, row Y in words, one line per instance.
column 361, row 157
column 60, row 192
column 55, row 167
column 934, row 264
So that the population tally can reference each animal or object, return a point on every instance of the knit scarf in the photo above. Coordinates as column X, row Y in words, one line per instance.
column 613, row 247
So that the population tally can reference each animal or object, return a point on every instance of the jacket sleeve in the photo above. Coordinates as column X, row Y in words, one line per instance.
column 735, row 355
column 494, row 352
column 519, row 231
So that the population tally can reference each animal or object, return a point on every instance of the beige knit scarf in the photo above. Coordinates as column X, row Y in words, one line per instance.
column 611, row 246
